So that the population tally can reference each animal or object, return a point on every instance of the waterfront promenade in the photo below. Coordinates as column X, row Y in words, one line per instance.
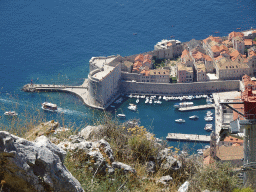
column 81, row 91
column 188, row 137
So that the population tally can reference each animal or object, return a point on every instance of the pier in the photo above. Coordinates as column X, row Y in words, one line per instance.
column 188, row 137
column 198, row 107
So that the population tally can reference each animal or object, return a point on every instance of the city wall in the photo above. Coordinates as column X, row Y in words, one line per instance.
column 179, row 88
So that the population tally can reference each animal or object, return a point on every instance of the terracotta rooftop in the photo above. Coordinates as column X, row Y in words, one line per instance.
column 184, row 53
column 146, row 61
column 215, row 48
column 235, row 34
column 207, row 58
column 223, row 48
column 211, row 38
column 198, row 55
column 140, row 58
column 248, row 42
column 137, row 64
column 234, row 54
column 227, row 153
column 230, row 153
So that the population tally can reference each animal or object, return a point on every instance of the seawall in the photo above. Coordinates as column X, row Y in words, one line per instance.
column 128, row 87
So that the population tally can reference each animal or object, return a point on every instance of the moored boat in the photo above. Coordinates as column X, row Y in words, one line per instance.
column 10, row 113
column 132, row 107
column 49, row 106
column 194, row 117
column 121, row 115
column 208, row 127
column 208, row 118
column 180, row 121
column 209, row 113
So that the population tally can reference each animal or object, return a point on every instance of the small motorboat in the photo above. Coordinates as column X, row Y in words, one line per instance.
column 132, row 107
column 49, row 106
column 121, row 115
column 208, row 118
column 10, row 113
column 137, row 100
column 180, row 121
column 194, row 117
column 209, row 113
column 208, row 127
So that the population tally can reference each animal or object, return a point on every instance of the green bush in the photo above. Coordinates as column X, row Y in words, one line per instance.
column 217, row 176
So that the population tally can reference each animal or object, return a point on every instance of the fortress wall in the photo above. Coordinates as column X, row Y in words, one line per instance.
column 179, row 88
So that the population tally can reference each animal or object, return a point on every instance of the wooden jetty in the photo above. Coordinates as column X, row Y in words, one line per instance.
column 188, row 137
column 197, row 107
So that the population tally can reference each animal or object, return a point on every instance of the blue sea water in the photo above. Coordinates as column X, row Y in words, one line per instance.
column 53, row 41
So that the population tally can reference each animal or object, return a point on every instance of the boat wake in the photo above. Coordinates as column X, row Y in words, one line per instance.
column 8, row 101
column 70, row 112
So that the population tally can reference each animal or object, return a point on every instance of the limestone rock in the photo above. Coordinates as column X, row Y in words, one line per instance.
column 34, row 166
column 165, row 180
column 89, row 131
column 124, row 167
column 151, row 167
column 168, row 162
column 184, row 187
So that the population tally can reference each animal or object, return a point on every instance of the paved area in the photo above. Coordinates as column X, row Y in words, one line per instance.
column 188, row 137
column 192, row 108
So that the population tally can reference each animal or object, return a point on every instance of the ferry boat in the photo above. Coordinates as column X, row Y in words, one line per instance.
column 10, row 113
column 183, row 104
column 208, row 127
column 194, row 117
column 180, row 121
column 49, row 106
column 121, row 115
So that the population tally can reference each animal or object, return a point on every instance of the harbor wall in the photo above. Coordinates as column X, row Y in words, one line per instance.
column 179, row 88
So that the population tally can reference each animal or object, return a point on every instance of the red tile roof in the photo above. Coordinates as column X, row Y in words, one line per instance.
column 184, row 53
column 248, row 42
column 140, row 58
column 235, row 34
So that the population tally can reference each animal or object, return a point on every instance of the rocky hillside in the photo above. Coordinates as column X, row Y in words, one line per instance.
column 108, row 157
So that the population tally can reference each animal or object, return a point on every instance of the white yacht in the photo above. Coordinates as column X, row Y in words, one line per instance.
column 194, row 117
column 132, row 107
column 10, row 113
column 121, row 115
column 49, row 106
column 137, row 100
column 209, row 113
column 208, row 127
column 208, row 118
column 180, row 121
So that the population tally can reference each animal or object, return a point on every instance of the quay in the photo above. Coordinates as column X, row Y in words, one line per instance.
column 188, row 137
column 81, row 91
column 192, row 108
